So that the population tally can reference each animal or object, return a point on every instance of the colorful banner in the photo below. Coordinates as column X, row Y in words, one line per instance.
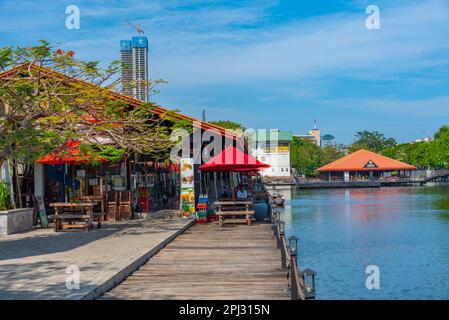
column 187, row 188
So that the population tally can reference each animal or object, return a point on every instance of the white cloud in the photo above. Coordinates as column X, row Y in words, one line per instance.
column 404, row 108
column 207, row 42
column 326, row 45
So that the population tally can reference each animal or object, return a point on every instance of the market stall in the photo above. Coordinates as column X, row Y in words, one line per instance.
column 238, row 165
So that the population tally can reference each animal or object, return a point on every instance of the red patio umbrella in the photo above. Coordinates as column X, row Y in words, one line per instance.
column 68, row 154
column 233, row 160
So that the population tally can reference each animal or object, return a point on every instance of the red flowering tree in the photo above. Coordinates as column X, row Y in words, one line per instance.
column 47, row 97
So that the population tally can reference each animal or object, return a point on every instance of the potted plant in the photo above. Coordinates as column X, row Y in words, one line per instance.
column 5, row 199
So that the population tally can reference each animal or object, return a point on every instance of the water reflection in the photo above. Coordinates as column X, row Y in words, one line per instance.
column 402, row 230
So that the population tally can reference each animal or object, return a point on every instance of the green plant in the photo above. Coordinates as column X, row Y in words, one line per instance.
column 4, row 197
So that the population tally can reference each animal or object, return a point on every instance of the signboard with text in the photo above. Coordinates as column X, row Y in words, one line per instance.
column 277, row 148
column 187, row 188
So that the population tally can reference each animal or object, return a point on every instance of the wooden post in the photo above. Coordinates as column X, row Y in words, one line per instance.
column 278, row 235
column 102, row 203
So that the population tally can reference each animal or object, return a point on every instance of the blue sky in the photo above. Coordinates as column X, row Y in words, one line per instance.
column 271, row 64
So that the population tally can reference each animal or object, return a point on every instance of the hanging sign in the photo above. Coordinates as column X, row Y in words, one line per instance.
column 187, row 188
column 81, row 173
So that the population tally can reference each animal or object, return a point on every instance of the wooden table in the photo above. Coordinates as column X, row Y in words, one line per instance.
column 72, row 218
column 231, row 210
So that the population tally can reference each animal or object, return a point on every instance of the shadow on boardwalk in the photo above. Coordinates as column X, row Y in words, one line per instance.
column 45, row 241
column 33, row 264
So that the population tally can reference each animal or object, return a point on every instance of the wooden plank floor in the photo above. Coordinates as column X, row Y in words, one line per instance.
column 209, row 262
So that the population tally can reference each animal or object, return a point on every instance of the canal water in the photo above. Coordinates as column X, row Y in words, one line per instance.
column 404, row 231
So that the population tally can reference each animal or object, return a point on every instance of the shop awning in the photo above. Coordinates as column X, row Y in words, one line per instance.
column 68, row 154
column 232, row 159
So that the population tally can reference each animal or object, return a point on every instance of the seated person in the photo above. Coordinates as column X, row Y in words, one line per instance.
column 242, row 194
column 226, row 192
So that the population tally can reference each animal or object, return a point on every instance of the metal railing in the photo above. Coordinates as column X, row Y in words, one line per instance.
column 289, row 260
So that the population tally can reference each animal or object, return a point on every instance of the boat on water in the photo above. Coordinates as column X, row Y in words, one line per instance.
column 278, row 199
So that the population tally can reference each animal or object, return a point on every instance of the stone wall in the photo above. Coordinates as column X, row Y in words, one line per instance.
column 18, row 220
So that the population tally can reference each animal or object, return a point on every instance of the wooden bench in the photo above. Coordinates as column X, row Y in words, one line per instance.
column 234, row 212
column 73, row 220
column 223, row 217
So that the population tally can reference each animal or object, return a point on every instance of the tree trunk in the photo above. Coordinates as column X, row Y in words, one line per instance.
column 17, row 183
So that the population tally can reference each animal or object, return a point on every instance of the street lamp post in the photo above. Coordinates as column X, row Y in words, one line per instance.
column 309, row 283
column 281, row 243
column 293, row 245
column 293, row 248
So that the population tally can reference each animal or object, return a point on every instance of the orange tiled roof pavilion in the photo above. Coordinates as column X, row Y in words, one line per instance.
column 363, row 160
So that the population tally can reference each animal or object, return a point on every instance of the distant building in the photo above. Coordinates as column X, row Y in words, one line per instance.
column 427, row 139
column 364, row 165
column 327, row 140
column 134, row 56
column 314, row 135
column 273, row 147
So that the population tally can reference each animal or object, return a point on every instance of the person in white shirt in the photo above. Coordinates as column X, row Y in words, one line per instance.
column 242, row 194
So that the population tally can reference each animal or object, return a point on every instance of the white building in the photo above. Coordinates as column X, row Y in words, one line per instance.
column 273, row 147
column 314, row 135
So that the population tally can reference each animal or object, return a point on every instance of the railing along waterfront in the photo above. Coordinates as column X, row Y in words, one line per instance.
column 420, row 176
column 289, row 259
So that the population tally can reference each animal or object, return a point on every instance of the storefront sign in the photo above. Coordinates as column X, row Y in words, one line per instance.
column 370, row 165
column 187, row 188
column 280, row 148
column 81, row 173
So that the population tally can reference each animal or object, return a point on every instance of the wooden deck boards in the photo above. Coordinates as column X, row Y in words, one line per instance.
column 209, row 262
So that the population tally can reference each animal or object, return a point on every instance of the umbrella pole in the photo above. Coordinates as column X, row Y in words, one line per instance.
column 232, row 179
column 215, row 185
column 73, row 183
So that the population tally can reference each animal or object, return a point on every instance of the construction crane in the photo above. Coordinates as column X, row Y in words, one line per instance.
column 137, row 27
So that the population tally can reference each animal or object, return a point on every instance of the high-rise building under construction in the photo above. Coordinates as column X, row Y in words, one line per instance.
column 134, row 55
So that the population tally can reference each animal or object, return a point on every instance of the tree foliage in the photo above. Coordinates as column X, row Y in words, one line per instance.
column 5, row 199
column 227, row 124
column 306, row 157
column 426, row 154
column 48, row 97
column 372, row 141
column 39, row 112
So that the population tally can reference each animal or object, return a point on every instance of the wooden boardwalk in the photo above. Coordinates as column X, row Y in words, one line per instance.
column 209, row 262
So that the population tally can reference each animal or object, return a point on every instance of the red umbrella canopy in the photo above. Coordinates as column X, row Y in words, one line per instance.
column 232, row 159
column 68, row 154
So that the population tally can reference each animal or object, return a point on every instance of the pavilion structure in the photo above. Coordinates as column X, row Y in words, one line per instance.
column 364, row 165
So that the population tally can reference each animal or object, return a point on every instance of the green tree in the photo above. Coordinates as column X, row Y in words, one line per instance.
column 41, row 109
column 331, row 153
column 425, row 154
column 5, row 199
column 227, row 124
column 373, row 141
column 305, row 156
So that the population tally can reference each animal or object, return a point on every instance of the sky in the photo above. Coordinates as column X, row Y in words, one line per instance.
column 273, row 64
